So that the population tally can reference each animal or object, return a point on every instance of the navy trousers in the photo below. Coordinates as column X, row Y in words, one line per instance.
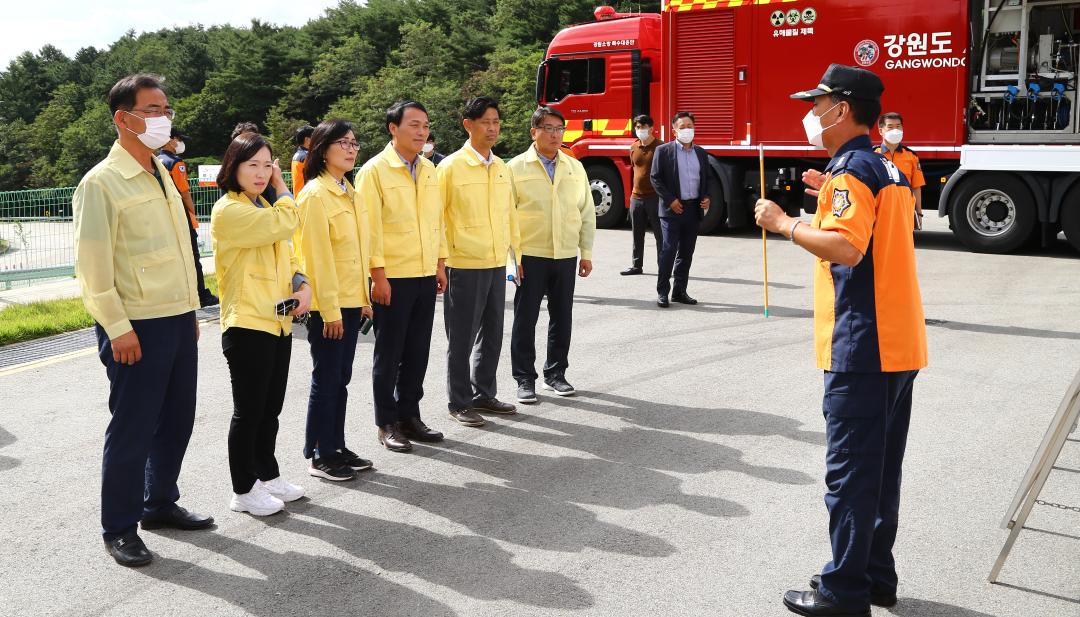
column 677, row 253
column 402, row 345
column 645, row 212
column 866, row 426
column 555, row 279
column 153, row 410
column 331, row 372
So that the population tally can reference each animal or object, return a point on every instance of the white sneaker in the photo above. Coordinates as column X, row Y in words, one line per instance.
column 282, row 489
column 258, row 501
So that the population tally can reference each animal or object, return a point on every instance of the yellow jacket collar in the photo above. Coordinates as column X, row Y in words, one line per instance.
column 122, row 161
column 328, row 181
column 242, row 198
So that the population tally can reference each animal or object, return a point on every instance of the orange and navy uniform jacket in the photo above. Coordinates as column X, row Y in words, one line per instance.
column 868, row 318
column 178, row 171
column 298, row 161
column 907, row 162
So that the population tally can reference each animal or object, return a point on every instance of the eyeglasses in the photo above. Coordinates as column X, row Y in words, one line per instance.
column 347, row 145
column 157, row 112
column 553, row 130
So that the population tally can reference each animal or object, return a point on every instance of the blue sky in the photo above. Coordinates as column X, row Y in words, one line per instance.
column 70, row 25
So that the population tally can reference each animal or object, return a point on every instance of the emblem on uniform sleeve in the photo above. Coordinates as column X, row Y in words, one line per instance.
column 840, row 202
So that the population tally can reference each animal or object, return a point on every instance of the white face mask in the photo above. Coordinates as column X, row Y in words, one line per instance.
column 684, row 136
column 895, row 136
column 643, row 134
column 158, row 131
column 812, row 126
column 180, row 147
column 428, row 148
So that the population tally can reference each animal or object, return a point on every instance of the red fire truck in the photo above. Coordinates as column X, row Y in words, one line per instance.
column 987, row 89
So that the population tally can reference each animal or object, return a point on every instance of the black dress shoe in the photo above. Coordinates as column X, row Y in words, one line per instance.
column 391, row 437
column 416, row 430
column 494, row 405
column 129, row 550
column 878, row 597
column 813, row 604
column 662, row 301
column 632, row 270
column 177, row 518
column 208, row 299
column 682, row 298
column 467, row 417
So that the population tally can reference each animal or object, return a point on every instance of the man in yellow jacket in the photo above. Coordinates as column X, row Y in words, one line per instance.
column 558, row 223
column 481, row 229
column 408, row 269
column 134, row 262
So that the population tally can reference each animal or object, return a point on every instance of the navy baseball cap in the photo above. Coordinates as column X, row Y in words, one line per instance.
column 848, row 81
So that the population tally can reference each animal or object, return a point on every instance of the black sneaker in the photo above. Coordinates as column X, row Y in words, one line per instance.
column 330, row 470
column 526, row 392
column 352, row 460
column 559, row 385
column 208, row 299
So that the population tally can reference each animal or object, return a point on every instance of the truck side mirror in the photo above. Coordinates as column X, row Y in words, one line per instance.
column 541, row 80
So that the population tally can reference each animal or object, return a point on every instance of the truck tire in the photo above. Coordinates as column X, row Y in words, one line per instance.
column 607, row 194
column 993, row 214
column 1070, row 217
column 715, row 219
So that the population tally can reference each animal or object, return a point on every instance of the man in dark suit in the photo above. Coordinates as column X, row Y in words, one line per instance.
column 680, row 175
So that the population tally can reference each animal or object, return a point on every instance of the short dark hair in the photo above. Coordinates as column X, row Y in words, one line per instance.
column 122, row 94
column 431, row 136
column 476, row 108
column 242, row 148
column 325, row 134
column 303, row 133
column 865, row 111
column 645, row 120
column 542, row 112
column 397, row 111
column 244, row 127
column 682, row 114
column 892, row 115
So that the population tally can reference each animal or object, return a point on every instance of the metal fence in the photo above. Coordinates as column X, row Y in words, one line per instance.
column 37, row 235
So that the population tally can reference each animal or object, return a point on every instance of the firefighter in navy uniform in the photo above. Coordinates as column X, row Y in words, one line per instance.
column 870, row 338
column 170, row 158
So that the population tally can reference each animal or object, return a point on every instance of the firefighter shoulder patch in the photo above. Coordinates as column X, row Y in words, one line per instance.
column 840, row 202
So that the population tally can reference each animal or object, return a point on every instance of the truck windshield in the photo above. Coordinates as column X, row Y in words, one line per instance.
column 566, row 77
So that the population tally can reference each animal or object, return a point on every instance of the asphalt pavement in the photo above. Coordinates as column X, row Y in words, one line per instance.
column 686, row 478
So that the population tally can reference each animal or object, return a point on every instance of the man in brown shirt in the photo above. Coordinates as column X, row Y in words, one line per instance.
column 644, row 203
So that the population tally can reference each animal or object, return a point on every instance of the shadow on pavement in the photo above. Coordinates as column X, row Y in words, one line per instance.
column 703, row 306
column 533, row 510
column 1004, row 330
column 289, row 582
column 911, row 607
column 470, row 565
column 750, row 282
column 6, row 439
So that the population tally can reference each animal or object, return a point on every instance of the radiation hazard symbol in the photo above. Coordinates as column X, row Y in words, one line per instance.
column 777, row 19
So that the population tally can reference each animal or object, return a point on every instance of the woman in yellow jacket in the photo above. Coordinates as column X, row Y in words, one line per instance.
column 333, row 246
column 256, row 272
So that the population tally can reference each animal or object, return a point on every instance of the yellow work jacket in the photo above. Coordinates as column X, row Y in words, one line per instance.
column 333, row 246
column 407, row 234
column 481, row 220
column 557, row 218
column 132, row 244
column 254, row 260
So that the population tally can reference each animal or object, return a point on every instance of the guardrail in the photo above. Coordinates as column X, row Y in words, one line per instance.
column 37, row 234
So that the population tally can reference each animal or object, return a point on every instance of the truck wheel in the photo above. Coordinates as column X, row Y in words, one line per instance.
column 993, row 214
column 716, row 217
column 1070, row 217
column 607, row 194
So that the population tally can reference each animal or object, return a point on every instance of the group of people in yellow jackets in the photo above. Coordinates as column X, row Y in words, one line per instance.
column 375, row 252
column 342, row 255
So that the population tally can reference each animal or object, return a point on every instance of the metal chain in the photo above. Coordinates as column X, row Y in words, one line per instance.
column 1058, row 506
